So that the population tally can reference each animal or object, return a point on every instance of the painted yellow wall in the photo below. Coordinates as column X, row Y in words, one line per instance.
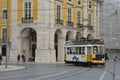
column 3, row 5
column 64, row 12
column 21, row 8
column 74, row 10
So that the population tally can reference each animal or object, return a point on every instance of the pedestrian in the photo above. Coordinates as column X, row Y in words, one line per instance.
column 23, row 58
column 18, row 58
column 0, row 59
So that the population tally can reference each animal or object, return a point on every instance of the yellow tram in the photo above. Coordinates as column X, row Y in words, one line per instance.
column 87, row 52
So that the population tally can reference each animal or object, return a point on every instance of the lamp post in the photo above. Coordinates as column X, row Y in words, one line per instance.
column 7, row 37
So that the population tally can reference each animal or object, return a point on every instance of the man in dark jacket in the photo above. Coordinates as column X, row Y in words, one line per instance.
column 0, row 59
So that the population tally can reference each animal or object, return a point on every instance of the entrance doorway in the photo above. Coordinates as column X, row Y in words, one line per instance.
column 58, row 45
column 4, row 50
column 29, row 40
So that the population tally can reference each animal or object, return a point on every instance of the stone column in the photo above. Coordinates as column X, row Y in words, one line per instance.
column 61, row 41
column 14, row 50
column 85, row 20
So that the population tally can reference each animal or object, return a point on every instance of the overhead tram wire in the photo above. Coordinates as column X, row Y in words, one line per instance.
column 63, row 8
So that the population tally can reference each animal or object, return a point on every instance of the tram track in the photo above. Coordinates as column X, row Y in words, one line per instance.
column 74, row 73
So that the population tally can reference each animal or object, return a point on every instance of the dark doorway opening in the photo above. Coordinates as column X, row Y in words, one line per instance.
column 56, row 46
column 4, row 50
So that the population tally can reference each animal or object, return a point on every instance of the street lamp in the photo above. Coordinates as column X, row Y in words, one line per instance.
column 7, row 37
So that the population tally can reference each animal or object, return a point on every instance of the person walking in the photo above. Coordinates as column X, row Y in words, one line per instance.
column 18, row 58
column 23, row 58
column 0, row 59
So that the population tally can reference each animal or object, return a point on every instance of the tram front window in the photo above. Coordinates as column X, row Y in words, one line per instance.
column 89, row 50
column 95, row 49
column 82, row 50
column 73, row 50
column 101, row 50
column 68, row 50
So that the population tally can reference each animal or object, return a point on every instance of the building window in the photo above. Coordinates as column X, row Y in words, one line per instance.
column 69, row 14
column 58, row 11
column 90, row 4
column 27, row 10
column 4, row 14
column 78, row 17
column 4, row 34
column 97, row 10
column 79, row 2
column 90, row 19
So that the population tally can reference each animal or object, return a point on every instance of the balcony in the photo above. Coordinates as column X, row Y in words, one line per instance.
column 69, row 23
column 27, row 20
column 59, row 21
column 79, row 25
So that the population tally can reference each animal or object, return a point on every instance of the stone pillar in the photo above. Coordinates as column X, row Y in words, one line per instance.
column 15, row 48
column 85, row 20
column 61, row 41
column 45, row 52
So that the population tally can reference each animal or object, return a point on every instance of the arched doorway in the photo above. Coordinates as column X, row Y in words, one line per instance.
column 58, row 45
column 78, row 36
column 29, row 39
column 90, row 37
column 69, row 36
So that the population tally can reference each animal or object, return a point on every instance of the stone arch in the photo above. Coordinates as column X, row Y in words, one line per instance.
column 69, row 35
column 28, row 43
column 90, row 37
column 78, row 36
column 59, row 45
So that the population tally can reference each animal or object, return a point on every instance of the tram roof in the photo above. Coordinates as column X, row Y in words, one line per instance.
column 88, row 42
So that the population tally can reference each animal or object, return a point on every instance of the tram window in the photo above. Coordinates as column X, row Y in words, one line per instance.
column 95, row 49
column 79, row 50
column 82, row 50
column 101, row 49
column 89, row 50
column 68, row 50
column 73, row 50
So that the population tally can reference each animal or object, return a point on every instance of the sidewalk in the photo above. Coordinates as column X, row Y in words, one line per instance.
column 11, row 68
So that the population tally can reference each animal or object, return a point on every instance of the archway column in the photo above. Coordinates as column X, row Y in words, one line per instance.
column 61, row 42
column 85, row 32
column 45, row 52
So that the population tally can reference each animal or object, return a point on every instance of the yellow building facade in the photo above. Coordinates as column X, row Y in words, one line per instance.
column 39, row 28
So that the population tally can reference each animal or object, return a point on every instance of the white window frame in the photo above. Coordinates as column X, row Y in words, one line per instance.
column 68, row 14
column 4, row 34
column 4, row 18
column 90, row 19
column 79, row 16
column 78, row 2
column 24, row 7
column 89, row 4
column 59, row 3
